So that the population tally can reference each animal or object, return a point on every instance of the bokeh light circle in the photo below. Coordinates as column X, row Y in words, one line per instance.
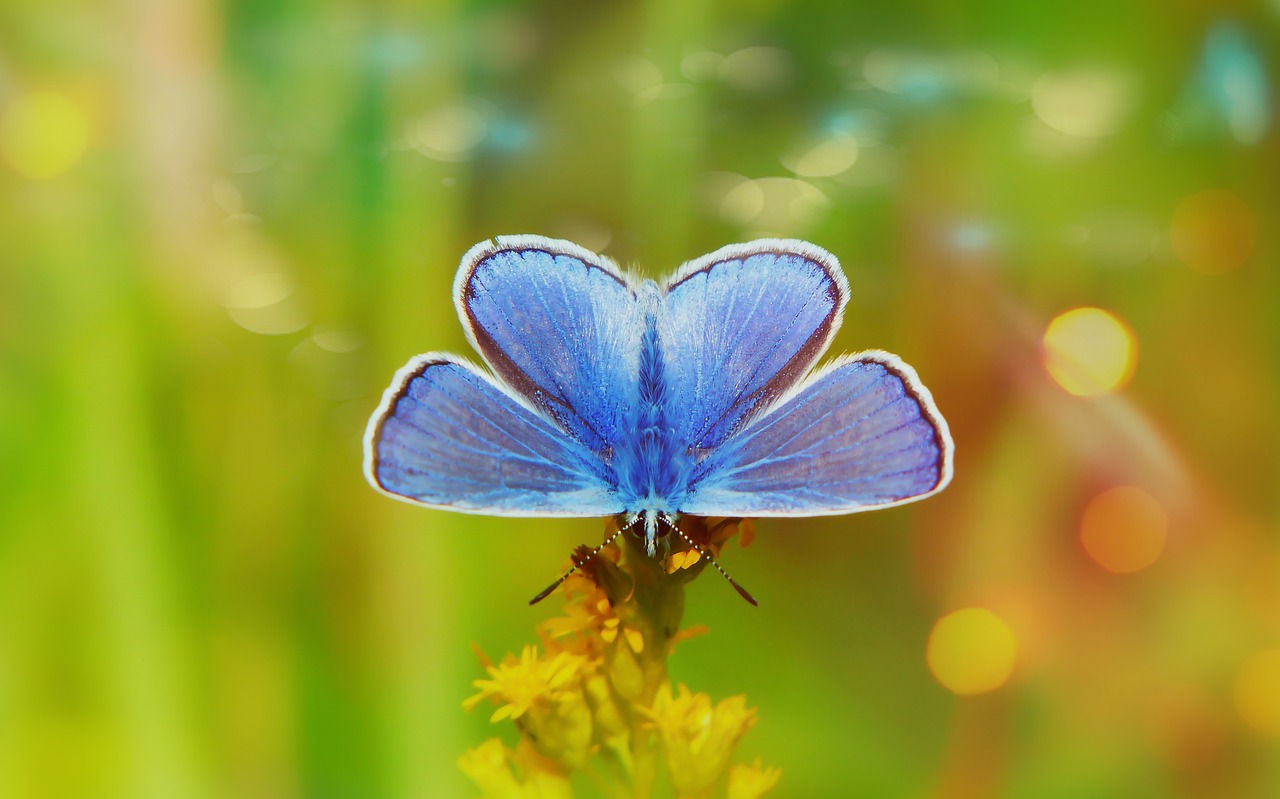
column 449, row 133
column 1089, row 351
column 1213, row 231
column 43, row 134
column 971, row 651
column 1086, row 102
column 1124, row 529
column 756, row 68
column 1257, row 692
column 823, row 158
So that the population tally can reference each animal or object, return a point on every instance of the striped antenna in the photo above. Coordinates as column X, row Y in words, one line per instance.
column 546, row 592
column 741, row 591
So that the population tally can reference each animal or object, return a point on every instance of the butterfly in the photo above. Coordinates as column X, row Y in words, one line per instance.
column 607, row 394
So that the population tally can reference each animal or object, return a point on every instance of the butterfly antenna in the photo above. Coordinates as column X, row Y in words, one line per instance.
column 741, row 591
column 546, row 592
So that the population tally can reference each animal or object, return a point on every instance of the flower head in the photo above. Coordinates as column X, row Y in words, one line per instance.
column 522, row 772
column 698, row 739
column 590, row 615
column 753, row 781
column 526, row 681
column 544, row 696
column 597, row 696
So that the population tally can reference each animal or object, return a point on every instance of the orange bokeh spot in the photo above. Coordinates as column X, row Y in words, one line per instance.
column 1213, row 231
column 1124, row 529
column 972, row 651
column 1089, row 352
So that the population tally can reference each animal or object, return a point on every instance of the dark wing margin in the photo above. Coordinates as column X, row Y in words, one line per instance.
column 447, row 435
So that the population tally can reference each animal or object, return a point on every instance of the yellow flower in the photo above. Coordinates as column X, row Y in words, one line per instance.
column 526, row 681
column 752, row 782
column 523, row 774
column 597, row 697
column 583, row 617
column 611, row 724
column 633, row 637
column 682, row 560
column 712, row 534
column 544, row 697
column 698, row 739
column 488, row 768
column 590, row 612
column 563, row 731
column 626, row 673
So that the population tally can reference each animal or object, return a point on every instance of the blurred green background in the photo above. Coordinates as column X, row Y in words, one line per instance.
column 225, row 225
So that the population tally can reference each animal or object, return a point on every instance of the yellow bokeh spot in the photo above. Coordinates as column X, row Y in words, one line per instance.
column 1083, row 102
column 43, row 134
column 1124, row 529
column 1089, row 351
column 1257, row 692
column 972, row 651
column 824, row 158
column 1213, row 231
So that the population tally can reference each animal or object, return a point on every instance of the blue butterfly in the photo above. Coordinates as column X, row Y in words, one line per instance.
column 610, row 394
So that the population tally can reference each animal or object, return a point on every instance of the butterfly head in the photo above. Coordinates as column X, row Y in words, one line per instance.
column 645, row 523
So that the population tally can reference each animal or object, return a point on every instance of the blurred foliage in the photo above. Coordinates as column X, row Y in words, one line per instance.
column 224, row 226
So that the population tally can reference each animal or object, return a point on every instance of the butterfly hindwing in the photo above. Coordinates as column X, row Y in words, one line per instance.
column 741, row 326
column 859, row 433
column 560, row 326
column 449, row 436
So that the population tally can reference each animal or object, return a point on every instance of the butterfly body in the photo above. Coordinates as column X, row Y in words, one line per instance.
column 615, row 395
column 651, row 462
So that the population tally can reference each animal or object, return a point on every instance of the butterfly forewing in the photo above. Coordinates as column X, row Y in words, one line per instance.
column 559, row 325
column 740, row 327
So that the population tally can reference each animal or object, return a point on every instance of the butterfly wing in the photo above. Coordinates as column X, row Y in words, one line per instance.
column 559, row 324
column 447, row 435
column 741, row 326
column 859, row 433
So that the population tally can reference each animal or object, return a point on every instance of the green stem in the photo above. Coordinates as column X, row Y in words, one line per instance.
column 654, row 607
